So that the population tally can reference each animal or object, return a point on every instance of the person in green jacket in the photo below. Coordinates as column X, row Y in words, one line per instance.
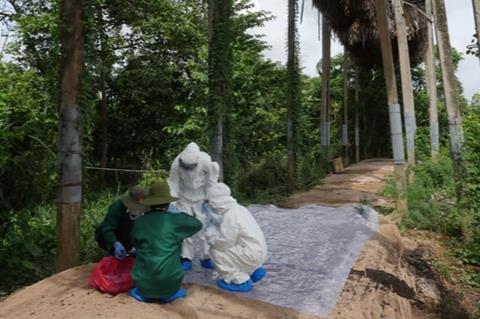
column 157, row 236
column 114, row 233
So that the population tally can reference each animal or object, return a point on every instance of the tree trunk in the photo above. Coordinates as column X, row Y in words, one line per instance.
column 219, row 74
column 394, row 107
column 476, row 12
column 103, row 130
column 357, row 115
column 106, row 61
column 293, row 91
column 345, row 108
column 432, row 87
column 326, row 64
column 69, row 193
column 406, row 77
column 366, row 131
column 451, row 98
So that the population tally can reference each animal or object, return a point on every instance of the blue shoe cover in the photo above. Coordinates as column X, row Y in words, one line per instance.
column 186, row 264
column 243, row 287
column 181, row 293
column 138, row 296
column 258, row 274
column 207, row 263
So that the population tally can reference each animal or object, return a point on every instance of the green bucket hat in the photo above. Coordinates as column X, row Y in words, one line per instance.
column 133, row 200
column 159, row 194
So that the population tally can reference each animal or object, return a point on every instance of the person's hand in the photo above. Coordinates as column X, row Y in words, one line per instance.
column 132, row 252
column 120, row 252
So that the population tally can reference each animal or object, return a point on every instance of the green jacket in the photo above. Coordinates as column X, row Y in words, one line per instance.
column 117, row 225
column 158, row 237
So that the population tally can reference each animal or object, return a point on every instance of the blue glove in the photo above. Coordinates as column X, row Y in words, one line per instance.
column 120, row 252
column 173, row 209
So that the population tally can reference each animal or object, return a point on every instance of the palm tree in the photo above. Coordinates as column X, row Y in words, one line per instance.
column 293, row 92
column 219, row 74
column 451, row 98
column 432, row 87
column 406, row 77
column 326, row 64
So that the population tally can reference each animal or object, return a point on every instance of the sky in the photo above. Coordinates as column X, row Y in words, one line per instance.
column 460, row 23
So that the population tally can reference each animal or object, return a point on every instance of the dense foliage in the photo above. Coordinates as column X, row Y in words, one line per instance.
column 431, row 197
column 145, row 96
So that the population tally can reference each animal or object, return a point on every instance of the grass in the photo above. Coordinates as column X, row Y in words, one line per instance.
column 28, row 242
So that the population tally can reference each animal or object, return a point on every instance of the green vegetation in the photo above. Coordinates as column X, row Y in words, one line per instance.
column 145, row 95
column 28, row 242
column 432, row 205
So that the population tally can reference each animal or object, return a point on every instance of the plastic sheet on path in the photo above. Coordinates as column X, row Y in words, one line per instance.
column 311, row 251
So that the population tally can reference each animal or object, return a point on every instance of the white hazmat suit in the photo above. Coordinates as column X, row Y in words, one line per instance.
column 191, row 174
column 237, row 244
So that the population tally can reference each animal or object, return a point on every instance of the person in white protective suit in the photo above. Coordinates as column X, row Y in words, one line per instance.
column 237, row 245
column 191, row 174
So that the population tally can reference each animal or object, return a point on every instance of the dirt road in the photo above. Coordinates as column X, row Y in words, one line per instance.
column 382, row 283
column 360, row 182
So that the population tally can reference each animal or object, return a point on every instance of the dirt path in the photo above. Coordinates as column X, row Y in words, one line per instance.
column 360, row 182
column 382, row 283
column 392, row 277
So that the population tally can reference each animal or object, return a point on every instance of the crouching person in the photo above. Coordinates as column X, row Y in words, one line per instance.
column 157, row 236
column 237, row 245
column 114, row 233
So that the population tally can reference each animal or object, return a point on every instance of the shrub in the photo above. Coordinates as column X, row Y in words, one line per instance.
column 28, row 247
column 265, row 181
column 431, row 199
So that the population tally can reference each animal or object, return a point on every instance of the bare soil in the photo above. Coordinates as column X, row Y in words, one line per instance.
column 361, row 182
column 391, row 278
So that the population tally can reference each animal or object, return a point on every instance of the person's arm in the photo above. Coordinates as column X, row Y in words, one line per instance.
column 213, row 173
column 111, row 222
column 227, row 234
column 174, row 178
column 186, row 225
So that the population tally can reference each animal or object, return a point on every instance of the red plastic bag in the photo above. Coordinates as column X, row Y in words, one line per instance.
column 112, row 276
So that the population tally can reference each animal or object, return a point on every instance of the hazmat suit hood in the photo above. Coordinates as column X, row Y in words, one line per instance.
column 189, row 158
column 220, row 199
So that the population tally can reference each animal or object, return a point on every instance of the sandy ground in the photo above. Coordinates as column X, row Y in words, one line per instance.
column 361, row 182
column 67, row 295
column 381, row 284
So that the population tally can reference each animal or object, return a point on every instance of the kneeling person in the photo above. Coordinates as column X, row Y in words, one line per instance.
column 114, row 233
column 237, row 246
column 158, row 237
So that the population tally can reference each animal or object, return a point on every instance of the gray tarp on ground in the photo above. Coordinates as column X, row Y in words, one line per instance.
column 310, row 253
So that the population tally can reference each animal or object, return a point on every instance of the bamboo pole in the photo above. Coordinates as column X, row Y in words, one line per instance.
column 451, row 99
column 326, row 63
column 394, row 107
column 432, row 86
column 406, row 77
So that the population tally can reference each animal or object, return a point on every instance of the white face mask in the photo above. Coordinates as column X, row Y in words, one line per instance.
column 219, row 210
